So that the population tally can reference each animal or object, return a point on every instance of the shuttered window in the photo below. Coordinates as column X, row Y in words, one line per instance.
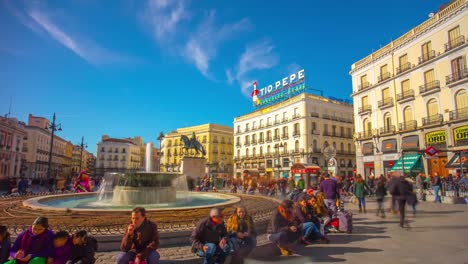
column 385, row 93
column 426, row 50
column 407, row 114
column 461, row 100
column 432, row 107
column 403, row 60
column 405, row 86
column 365, row 101
column 383, row 69
column 454, row 34
column 429, row 76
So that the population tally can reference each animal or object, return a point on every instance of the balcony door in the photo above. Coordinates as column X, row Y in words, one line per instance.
column 385, row 94
column 365, row 103
column 458, row 65
column 461, row 101
column 405, row 87
column 407, row 115
column 403, row 60
column 429, row 76
column 387, row 122
column 454, row 34
column 426, row 50
column 367, row 127
column 432, row 108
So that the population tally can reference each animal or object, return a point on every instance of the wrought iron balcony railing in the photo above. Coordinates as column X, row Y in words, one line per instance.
column 459, row 114
column 427, row 56
column 404, row 67
column 384, row 76
column 387, row 129
column 457, row 76
column 408, row 125
column 365, row 109
column 453, row 43
column 430, row 87
column 433, row 120
column 405, row 96
column 387, row 102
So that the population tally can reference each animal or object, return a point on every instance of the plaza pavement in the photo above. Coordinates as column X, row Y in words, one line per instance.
column 438, row 233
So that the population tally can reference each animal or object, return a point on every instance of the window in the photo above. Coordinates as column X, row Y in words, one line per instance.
column 276, row 118
column 342, row 131
column 367, row 127
column 296, row 129
column 261, row 136
column 384, row 72
column 429, row 76
column 246, row 152
column 426, row 51
column 268, row 121
column 405, row 87
column 458, row 65
column 461, row 100
column 253, row 125
column 387, row 121
column 238, row 141
column 276, row 133
column 254, row 138
column 284, row 115
column 325, row 128
column 334, row 130
column 296, row 146
column 314, row 145
column 285, row 147
column 454, row 37
column 254, row 152
column 246, row 126
column 432, row 108
column 285, row 131
column 269, row 135
column 364, row 102
column 247, row 139
column 407, row 114
column 260, row 123
column 314, row 126
column 364, row 83
column 385, row 94
column 261, row 151
column 238, row 129
column 403, row 60
column 238, row 153
column 268, row 149
column 349, row 148
column 296, row 111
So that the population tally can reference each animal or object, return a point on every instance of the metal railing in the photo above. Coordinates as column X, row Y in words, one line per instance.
column 432, row 120
column 453, row 43
column 365, row 109
column 433, row 86
column 364, row 85
column 387, row 102
column 404, row 67
column 387, row 129
column 408, row 125
column 409, row 94
column 459, row 114
column 427, row 56
column 384, row 76
column 457, row 76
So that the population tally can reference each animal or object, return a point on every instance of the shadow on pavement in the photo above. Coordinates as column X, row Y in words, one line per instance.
column 439, row 212
column 439, row 227
column 348, row 238
column 368, row 229
column 384, row 222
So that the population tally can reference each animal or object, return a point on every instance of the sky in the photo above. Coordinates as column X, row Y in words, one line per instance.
column 128, row 68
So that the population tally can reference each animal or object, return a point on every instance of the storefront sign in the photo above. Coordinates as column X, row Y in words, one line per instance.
column 460, row 133
column 365, row 159
column 389, row 146
column 390, row 157
column 410, row 142
column 436, row 137
column 283, row 89
column 368, row 149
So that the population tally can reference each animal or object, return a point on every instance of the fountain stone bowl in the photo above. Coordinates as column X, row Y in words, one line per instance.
column 121, row 192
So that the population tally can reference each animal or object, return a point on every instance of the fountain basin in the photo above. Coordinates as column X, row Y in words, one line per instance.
column 86, row 202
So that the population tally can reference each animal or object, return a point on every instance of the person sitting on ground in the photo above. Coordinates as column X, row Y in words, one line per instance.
column 34, row 245
column 62, row 248
column 210, row 238
column 282, row 230
column 140, row 241
column 5, row 244
column 304, row 220
column 83, row 250
column 243, row 236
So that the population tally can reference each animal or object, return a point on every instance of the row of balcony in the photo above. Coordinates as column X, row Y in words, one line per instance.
column 336, row 118
column 290, row 152
column 426, row 56
column 334, row 134
column 438, row 119
column 203, row 142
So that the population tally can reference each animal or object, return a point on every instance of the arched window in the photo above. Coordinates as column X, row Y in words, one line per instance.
column 246, row 152
column 432, row 108
column 461, row 101
column 296, row 146
column 254, row 152
column 268, row 149
column 349, row 148
column 342, row 147
column 407, row 114
column 261, row 151
column 387, row 121
column 325, row 144
column 285, row 147
column 334, row 145
column 314, row 144
column 367, row 127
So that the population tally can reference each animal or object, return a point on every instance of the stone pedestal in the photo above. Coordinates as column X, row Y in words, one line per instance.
column 193, row 167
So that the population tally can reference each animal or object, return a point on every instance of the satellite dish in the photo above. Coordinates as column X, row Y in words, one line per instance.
column 431, row 14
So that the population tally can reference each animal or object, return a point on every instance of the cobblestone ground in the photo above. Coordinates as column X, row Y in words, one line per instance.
column 438, row 233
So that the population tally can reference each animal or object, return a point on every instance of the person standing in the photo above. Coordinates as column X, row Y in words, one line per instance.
column 436, row 185
column 330, row 190
column 391, row 186
column 210, row 238
column 420, row 186
column 140, row 241
column 380, row 193
column 360, row 187
column 401, row 189
column 301, row 183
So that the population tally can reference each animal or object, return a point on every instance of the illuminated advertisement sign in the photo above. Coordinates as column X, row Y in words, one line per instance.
column 436, row 137
column 283, row 89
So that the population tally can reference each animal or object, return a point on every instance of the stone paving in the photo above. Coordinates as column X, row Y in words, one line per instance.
column 438, row 233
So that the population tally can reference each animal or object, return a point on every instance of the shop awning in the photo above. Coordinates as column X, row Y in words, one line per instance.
column 412, row 162
column 300, row 168
column 454, row 162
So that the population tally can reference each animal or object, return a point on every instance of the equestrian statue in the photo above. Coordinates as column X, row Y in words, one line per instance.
column 192, row 143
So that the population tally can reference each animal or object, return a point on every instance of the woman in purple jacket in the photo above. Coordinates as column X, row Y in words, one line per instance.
column 34, row 245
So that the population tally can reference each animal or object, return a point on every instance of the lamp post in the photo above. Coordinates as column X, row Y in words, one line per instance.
column 53, row 127
column 160, row 138
column 82, row 145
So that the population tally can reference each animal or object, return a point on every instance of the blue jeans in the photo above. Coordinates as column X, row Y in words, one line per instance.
column 362, row 201
column 309, row 228
column 125, row 257
column 214, row 253
column 436, row 193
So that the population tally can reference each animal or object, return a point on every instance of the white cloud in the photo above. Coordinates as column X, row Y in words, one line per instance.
column 257, row 56
column 204, row 44
column 163, row 16
column 229, row 76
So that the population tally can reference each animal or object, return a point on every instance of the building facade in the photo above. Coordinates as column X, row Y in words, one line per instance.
column 412, row 94
column 217, row 141
column 37, row 148
column 119, row 155
column 12, row 151
column 79, row 159
column 305, row 129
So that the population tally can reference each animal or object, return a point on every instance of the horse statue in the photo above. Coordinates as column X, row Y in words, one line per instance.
column 192, row 144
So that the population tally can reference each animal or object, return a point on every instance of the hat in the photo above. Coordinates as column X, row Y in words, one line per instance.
column 41, row 220
column 310, row 191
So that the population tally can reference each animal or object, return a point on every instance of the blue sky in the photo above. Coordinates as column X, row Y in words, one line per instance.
column 126, row 68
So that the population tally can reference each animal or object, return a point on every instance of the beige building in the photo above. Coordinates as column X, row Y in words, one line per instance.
column 78, row 157
column 37, row 148
column 12, row 151
column 412, row 94
column 119, row 155
column 217, row 141
column 305, row 129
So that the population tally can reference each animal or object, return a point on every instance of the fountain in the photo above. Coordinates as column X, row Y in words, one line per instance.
column 124, row 191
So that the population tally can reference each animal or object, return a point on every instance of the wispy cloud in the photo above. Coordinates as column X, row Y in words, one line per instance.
column 257, row 56
column 163, row 17
column 204, row 44
column 38, row 20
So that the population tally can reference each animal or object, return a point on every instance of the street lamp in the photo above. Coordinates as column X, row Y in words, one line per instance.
column 82, row 145
column 53, row 127
column 160, row 138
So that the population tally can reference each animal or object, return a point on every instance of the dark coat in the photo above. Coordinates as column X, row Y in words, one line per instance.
column 300, row 217
column 5, row 249
column 84, row 253
column 278, row 224
column 207, row 232
column 143, row 240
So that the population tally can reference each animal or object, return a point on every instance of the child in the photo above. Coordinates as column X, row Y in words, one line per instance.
column 62, row 248
column 83, row 249
column 4, row 244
